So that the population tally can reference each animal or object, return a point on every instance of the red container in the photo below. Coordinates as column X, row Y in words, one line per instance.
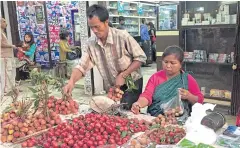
column 238, row 118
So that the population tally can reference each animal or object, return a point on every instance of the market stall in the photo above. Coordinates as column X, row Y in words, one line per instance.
column 48, row 121
column 31, row 18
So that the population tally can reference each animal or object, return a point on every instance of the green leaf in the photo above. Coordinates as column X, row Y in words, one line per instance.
column 7, row 109
column 187, row 144
column 36, row 103
column 124, row 134
column 202, row 145
column 155, row 126
column 33, row 90
column 35, row 96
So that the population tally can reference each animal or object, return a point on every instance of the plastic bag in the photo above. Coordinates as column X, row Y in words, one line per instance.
column 226, row 141
column 173, row 105
column 214, row 121
column 197, row 132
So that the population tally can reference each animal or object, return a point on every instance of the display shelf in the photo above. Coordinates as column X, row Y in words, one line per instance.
column 130, row 9
column 216, row 37
column 114, row 8
column 131, row 24
column 124, row 16
column 130, row 12
column 217, row 98
column 208, row 26
column 147, row 17
column 213, row 63
column 149, row 11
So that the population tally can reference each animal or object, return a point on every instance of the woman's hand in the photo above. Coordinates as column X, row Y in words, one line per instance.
column 136, row 108
column 185, row 94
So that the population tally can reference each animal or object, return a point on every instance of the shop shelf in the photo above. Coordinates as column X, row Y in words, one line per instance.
column 217, row 98
column 213, row 63
column 147, row 17
column 209, row 26
column 130, row 9
column 114, row 8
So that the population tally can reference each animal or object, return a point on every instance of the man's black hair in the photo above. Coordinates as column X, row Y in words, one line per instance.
column 98, row 11
column 121, row 18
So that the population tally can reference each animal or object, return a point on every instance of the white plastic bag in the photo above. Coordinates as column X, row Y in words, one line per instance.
column 197, row 132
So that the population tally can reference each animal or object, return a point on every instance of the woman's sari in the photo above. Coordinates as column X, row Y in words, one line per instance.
column 167, row 91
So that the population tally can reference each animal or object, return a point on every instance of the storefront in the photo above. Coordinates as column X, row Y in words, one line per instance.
column 60, row 14
column 206, row 31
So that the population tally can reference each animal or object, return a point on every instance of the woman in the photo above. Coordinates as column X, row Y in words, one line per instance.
column 152, row 34
column 63, row 45
column 164, row 84
column 28, row 48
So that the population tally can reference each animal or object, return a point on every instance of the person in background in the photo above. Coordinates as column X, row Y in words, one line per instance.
column 152, row 33
column 146, row 43
column 164, row 84
column 28, row 48
column 8, row 70
column 116, row 54
column 64, row 45
column 121, row 23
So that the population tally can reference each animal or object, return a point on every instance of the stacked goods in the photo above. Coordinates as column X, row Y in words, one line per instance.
column 63, row 106
column 93, row 130
column 169, row 135
column 165, row 120
column 15, row 128
column 174, row 112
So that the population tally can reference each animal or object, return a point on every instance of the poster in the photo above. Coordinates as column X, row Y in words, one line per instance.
column 39, row 14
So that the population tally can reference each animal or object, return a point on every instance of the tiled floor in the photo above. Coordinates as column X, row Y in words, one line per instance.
column 78, row 92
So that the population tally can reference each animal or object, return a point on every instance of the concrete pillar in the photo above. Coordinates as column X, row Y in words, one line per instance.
column 8, row 29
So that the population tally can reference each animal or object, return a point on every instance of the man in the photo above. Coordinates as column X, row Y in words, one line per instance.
column 121, row 23
column 146, row 43
column 8, row 70
column 115, row 53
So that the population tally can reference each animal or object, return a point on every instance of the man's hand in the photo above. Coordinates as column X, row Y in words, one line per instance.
column 67, row 89
column 120, row 81
column 136, row 108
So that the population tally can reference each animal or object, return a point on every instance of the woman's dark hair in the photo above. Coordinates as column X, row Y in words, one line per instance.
column 63, row 35
column 174, row 50
column 151, row 25
column 143, row 21
column 31, row 36
column 99, row 11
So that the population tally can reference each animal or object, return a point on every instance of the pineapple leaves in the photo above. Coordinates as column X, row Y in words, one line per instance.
column 32, row 90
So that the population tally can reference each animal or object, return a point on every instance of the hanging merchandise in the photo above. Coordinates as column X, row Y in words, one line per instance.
column 31, row 19
column 120, row 7
column 140, row 9
column 39, row 14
